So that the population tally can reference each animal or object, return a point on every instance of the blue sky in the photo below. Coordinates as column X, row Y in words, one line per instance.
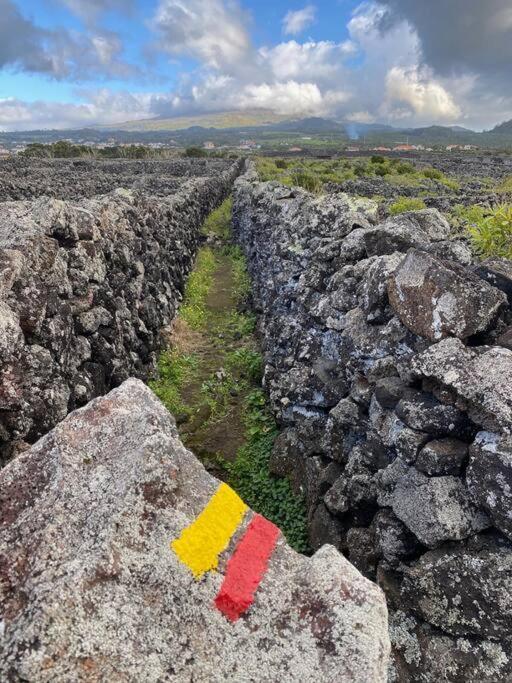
column 69, row 63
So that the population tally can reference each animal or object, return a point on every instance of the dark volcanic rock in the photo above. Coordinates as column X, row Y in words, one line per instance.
column 437, row 299
column 341, row 295
column 412, row 229
column 436, row 510
column 88, row 287
column 480, row 377
column 489, row 477
column 442, row 456
column 463, row 590
column 498, row 272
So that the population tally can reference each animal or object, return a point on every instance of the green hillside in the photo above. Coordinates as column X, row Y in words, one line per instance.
column 220, row 120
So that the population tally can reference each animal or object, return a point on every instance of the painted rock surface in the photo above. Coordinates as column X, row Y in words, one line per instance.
column 122, row 559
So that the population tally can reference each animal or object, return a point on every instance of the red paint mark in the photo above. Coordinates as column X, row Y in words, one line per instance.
column 246, row 568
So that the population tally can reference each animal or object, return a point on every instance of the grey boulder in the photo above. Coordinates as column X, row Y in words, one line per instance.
column 437, row 299
column 92, row 591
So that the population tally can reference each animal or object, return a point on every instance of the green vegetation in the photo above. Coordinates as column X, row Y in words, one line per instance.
column 195, row 152
column 193, row 308
column 63, row 149
column 210, row 379
column 403, row 204
column 505, row 185
column 312, row 174
column 463, row 217
column 492, row 235
column 250, row 475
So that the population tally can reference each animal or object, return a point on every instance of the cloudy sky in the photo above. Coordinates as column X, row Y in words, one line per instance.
column 70, row 63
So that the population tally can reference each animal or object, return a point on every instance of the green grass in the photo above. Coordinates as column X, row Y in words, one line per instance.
column 193, row 308
column 218, row 222
column 505, row 185
column 250, row 476
column 230, row 332
column 404, row 204
column 312, row 174
column 175, row 371
column 492, row 234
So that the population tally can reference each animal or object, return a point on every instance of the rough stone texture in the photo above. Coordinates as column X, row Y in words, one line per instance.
column 489, row 477
column 362, row 392
column 28, row 178
column 442, row 456
column 479, row 377
column 465, row 591
column 91, row 590
column 86, row 288
column 438, row 299
column 436, row 510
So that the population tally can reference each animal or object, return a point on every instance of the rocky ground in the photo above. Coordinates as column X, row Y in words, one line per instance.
column 389, row 367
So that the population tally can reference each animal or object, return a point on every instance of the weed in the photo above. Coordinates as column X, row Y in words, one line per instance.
column 506, row 185
column 246, row 362
column 404, row 204
column 492, row 235
column 219, row 221
column 193, row 308
column 250, row 476
column 306, row 180
column 432, row 173
column 175, row 371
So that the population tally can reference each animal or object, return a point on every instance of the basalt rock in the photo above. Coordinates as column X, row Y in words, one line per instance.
column 437, row 299
column 86, row 288
column 383, row 435
column 93, row 591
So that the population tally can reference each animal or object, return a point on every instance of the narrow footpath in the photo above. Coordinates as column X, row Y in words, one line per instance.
column 210, row 380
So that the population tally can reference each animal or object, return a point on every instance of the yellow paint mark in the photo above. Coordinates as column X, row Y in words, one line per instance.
column 201, row 543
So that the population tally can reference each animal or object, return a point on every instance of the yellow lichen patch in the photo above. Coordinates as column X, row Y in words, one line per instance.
column 201, row 543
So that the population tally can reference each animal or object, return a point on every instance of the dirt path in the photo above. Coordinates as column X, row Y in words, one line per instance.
column 210, row 380
column 215, row 437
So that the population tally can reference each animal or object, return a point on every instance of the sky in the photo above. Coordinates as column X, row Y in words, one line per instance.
column 73, row 63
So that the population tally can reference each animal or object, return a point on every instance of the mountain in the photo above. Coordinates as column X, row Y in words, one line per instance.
column 219, row 120
column 313, row 124
column 504, row 128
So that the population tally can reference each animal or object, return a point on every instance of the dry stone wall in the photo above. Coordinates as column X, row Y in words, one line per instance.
column 86, row 288
column 388, row 362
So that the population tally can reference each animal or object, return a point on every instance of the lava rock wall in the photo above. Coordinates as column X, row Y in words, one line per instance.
column 388, row 364
column 86, row 287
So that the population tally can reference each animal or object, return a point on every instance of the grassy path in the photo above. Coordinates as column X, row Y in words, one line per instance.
column 210, row 380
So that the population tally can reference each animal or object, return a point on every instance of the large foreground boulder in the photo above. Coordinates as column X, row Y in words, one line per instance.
column 97, row 565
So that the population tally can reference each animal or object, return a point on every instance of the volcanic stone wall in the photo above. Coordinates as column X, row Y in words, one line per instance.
column 389, row 367
column 28, row 178
column 86, row 287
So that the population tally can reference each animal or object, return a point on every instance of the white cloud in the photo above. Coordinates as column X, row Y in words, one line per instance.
column 320, row 61
column 212, row 31
column 103, row 106
column 421, row 93
column 295, row 22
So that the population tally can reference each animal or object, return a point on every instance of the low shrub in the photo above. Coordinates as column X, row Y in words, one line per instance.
column 281, row 163
column 195, row 152
column 432, row 173
column 378, row 159
column 306, row 180
column 250, row 476
column 404, row 204
column 492, row 235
